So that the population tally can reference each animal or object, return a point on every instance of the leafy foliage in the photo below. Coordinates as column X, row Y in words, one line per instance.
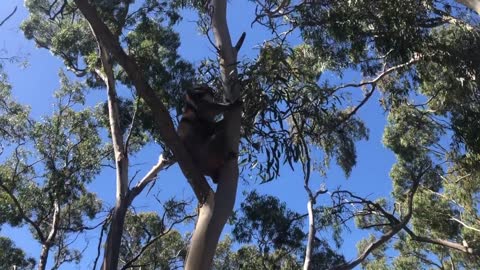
column 42, row 180
column 156, row 246
column 151, row 40
column 269, row 222
column 422, row 57
column 13, row 256
column 277, row 231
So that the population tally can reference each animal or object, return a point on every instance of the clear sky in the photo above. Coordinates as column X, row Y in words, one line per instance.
column 35, row 83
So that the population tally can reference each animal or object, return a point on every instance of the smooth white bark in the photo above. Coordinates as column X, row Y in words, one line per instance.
column 311, row 236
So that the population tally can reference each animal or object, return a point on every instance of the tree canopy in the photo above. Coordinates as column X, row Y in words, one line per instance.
column 315, row 67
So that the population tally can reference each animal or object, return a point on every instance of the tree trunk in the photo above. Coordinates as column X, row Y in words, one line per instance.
column 114, row 237
column 311, row 236
column 42, row 262
column 214, row 213
column 47, row 243
column 215, row 207
column 213, row 216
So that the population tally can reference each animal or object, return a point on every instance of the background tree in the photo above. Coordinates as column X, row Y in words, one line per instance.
column 149, row 240
column 390, row 44
column 14, row 257
column 46, row 167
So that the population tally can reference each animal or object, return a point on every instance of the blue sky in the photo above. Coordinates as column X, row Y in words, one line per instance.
column 35, row 83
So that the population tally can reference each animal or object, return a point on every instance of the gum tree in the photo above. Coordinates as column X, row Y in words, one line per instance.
column 47, row 164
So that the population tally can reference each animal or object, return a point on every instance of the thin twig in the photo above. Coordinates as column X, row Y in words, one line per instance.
column 9, row 15
column 99, row 246
column 152, row 241
column 381, row 75
column 132, row 125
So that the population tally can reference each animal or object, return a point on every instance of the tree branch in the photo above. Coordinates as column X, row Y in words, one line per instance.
column 129, row 263
column 55, row 222
column 441, row 242
column 99, row 246
column 464, row 224
column 381, row 75
column 121, row 157
column 132, row 126
column 149, row 177
column 9, row 16
column 388, row 235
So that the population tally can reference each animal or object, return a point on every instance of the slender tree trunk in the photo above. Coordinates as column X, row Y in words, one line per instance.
column 42, row 262
column 114, row 236
column 47, row 244
column 311, row 236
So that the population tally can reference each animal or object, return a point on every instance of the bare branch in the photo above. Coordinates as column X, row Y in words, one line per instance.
column 60, row 10
column 149, row 177
column 121, row 158
column 99, row 246
column 368, row 95
column 441, row 242
column 392, row 232
column 380, row 76
column 9, row 16
column 50, row 240
column 397, row 225
column 464, row 224
column 153, row 240
column 55, row 222
column 132, row 126
column 240, row 42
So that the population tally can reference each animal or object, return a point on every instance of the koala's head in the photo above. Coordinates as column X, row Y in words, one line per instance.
column 200, row 93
